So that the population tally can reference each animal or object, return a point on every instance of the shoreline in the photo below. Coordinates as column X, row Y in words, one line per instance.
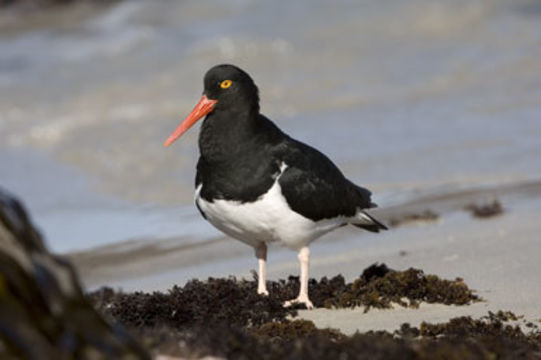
column 118, row 262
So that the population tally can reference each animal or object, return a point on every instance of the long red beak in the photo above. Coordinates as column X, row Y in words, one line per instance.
column 203, row 107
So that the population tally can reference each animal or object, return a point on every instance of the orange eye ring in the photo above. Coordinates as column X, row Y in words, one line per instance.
column 225, row 84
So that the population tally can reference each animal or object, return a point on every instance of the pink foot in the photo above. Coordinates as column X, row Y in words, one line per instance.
column 300, row 300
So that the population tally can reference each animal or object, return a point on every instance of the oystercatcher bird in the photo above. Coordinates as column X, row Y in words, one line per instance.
column 258, row 185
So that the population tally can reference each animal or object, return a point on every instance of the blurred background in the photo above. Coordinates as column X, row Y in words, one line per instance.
column 409, row 98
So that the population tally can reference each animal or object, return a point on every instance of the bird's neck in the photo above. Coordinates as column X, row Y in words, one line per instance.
column 225, row 133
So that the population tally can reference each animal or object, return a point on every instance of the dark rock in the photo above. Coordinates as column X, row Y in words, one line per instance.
column 43, row 312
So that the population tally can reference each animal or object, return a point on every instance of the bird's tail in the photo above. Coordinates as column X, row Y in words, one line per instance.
column 365, row 221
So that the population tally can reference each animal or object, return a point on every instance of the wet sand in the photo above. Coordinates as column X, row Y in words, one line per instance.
column 497, row 256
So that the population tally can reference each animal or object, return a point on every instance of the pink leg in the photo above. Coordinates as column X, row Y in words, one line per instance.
column 261, row 254
column 304, row 260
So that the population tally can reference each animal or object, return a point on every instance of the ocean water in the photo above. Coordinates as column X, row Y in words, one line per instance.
column 407, row 97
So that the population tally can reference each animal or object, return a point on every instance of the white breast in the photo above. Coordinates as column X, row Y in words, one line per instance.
column 268, row 219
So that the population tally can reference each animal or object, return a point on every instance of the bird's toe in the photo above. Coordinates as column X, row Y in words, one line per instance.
column 300, row 300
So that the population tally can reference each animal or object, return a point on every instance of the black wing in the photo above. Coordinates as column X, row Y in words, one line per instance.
column 314, row 187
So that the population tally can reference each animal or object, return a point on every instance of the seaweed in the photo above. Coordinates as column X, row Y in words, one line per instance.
column 460, row 338
column 487, row 210
column 291, row 330
column 381, row 287
column 230, row 301
column 236, row 302
column 226, row 318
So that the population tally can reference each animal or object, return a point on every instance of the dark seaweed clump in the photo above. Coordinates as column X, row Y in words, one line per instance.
column 487, row 210
column 226, row 318
column 298, row 339
column 460, row 338
column 491, row 325
column 229, row 301
column 236, row 302
column 380, row 287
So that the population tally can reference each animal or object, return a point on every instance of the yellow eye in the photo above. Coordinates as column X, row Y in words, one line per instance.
column 225, row 84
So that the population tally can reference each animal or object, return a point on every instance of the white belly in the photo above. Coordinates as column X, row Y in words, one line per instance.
column 268, row 219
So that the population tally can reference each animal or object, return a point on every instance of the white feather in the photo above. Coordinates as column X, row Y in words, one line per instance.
column 361, row 218
column 268, row 219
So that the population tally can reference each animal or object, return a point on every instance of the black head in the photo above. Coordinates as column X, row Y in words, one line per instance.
column 227, row 89
column 231, row 87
